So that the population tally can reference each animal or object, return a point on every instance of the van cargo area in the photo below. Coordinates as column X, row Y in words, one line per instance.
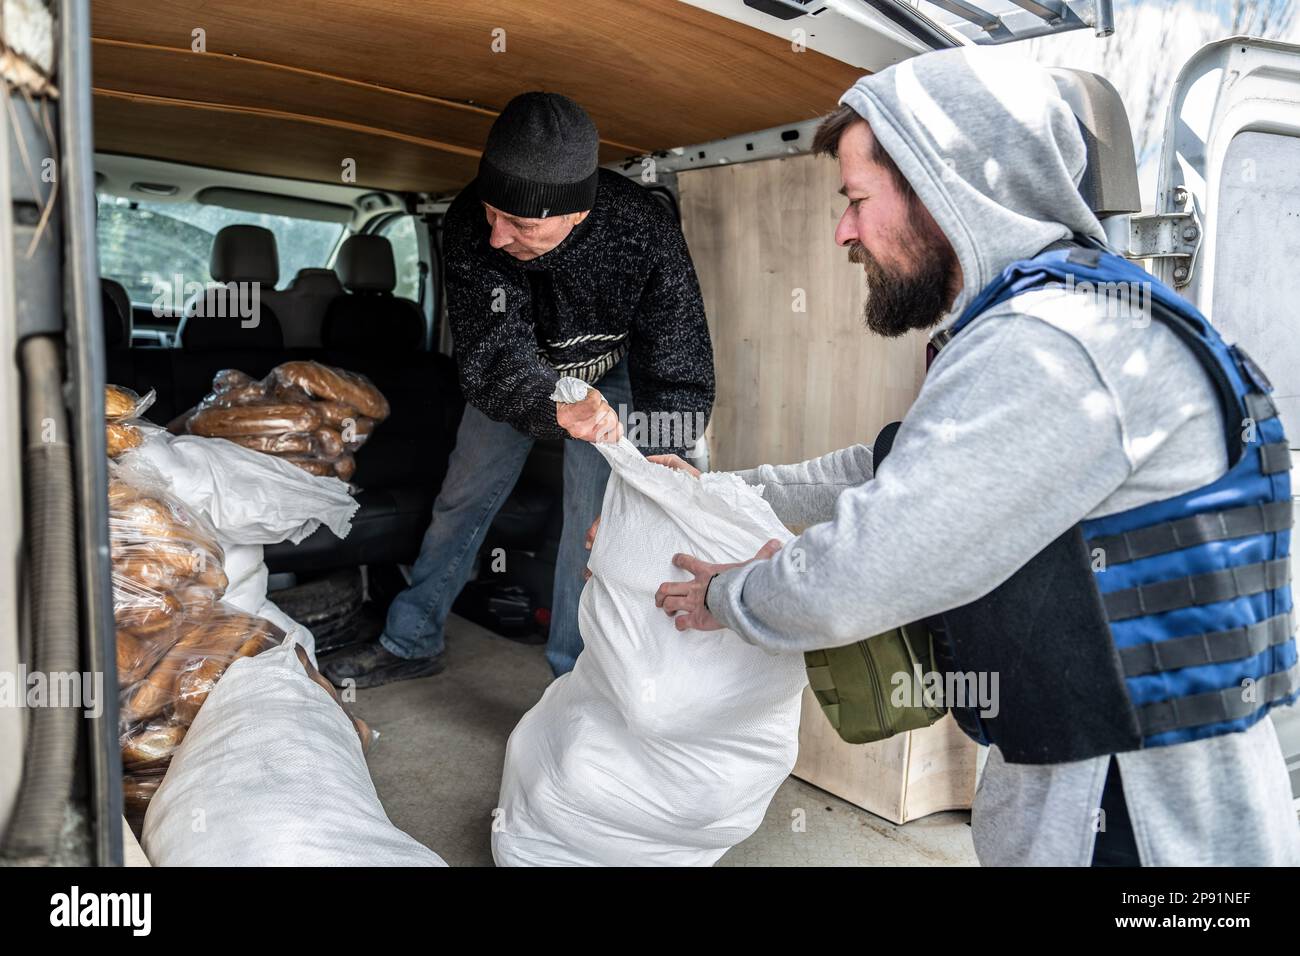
column 403, row 403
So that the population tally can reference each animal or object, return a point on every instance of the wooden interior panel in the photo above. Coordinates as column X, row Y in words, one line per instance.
column 653, row 73
column 793, row 385
column 275, row 145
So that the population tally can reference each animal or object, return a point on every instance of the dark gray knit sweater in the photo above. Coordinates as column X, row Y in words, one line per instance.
column 622, row 283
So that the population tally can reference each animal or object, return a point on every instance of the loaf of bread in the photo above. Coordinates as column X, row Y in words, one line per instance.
column 120, row 403
column 152, row 744
column 292, row 443
column 188, row 669
column 151, row 615
column 359, row 725
column 356, row 432
column 121, row 437
column 307, row 413
column 137, row 654
column 194, row 685
column 137, row 790
column 329, row 442
column 268, row 418
column 231, row 387
column 336, row 414
column 335, row 385
column 231, row 378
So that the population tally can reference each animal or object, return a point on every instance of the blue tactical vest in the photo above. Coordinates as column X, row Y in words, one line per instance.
column 1162, row 624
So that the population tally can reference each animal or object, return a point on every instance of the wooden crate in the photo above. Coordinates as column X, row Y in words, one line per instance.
column 796, row 384
column 905, row 777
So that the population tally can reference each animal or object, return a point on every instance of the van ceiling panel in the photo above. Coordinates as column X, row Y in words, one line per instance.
column 409, row 89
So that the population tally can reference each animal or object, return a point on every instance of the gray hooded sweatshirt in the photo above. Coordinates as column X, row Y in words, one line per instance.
column 1049, row 409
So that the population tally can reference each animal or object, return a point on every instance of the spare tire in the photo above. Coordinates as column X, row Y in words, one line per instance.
column 317, row 602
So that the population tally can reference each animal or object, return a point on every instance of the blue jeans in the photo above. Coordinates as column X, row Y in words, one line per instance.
column 483, row 469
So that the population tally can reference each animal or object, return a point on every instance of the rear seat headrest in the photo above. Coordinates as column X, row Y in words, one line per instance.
column 245, row 254
column 316, row 282
column 117, row 314
column 365, row 264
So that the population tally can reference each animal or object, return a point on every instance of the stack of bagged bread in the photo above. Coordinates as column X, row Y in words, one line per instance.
column 123, row 425
column 175, row 637
column 304, row 412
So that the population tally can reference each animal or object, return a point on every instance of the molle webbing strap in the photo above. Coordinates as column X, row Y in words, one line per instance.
column 1260, row 406
column 1216, row 707
column 1197, row 589
column 1198, row 529
column 1274, row 457
column 1215, row 647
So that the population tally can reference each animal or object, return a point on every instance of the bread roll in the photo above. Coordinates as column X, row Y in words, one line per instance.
column 335, row 385
column 193, row 687
column 137, row 790
column 249, row 394
column 136, row 656
column 119, row 403
column 121, row 437
column 336, row 414
column 284, row 392
column 329, row 443
column 120, row 494
column 359, row 725
column 231, row 378
column 153, row 744
column 345, row 467
column 141, row 578
column 148, row 698
column 212, row 577
column 270, row 418
column 356, row 432
column 149, row 614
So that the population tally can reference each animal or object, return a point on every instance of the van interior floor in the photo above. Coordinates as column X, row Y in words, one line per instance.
column 437, row 767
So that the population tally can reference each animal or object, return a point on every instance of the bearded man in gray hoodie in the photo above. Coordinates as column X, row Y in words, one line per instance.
column 1042, row 414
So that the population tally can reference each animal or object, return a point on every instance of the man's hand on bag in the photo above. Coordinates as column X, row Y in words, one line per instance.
column 591, row 419
column 675, row 463
column 684, row 600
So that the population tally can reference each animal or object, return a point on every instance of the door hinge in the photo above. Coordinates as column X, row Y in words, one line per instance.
column 1167, row 235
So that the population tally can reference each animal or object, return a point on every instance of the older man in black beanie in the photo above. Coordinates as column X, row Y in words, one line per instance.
column 554, row 267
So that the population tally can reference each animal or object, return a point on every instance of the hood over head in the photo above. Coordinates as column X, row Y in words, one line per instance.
column 992, row 150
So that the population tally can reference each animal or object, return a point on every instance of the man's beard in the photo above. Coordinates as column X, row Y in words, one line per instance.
column 897, row 303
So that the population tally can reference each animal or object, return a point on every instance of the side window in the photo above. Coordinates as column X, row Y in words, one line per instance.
column 406, row 254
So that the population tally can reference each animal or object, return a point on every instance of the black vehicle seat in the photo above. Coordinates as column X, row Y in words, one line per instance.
column 142, row 370
column 116, row 307
column 302, row 306
column 244, row 264
column 369, row 316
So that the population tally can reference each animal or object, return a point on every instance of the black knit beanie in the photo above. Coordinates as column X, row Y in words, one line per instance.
column 540, row 158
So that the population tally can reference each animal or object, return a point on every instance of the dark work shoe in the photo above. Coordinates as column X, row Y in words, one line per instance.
column 371, row 665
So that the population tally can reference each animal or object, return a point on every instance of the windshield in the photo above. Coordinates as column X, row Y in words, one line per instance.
column 145, row 245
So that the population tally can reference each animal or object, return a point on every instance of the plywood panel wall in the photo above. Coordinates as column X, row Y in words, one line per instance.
column 791, row 385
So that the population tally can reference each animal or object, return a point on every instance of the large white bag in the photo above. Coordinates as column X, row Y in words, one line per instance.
column 272, row 774
column 252, row 500
column 660, row 747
